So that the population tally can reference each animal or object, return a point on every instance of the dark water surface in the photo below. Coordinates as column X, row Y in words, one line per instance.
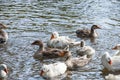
column 29, row 20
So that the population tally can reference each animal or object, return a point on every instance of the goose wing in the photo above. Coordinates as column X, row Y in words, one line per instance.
column 83, row 33
column 116, row 62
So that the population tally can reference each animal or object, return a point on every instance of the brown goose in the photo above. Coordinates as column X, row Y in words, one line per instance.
column 3, row 34
column 112, row 77
column 50, row 53
column 87, row 33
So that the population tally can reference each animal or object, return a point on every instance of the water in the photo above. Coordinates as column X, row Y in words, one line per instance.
column 29, row 20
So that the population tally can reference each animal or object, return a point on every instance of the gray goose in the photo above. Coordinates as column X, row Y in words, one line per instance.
column 85, row 33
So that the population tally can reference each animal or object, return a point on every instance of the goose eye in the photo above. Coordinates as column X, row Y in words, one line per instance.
column 45, row 70
column 109, row 61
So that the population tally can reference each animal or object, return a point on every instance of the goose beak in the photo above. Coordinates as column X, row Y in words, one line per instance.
column 6, row 70
column 114, row 48
column 98, row 27
column 110, row 62
column 52, row 37
column 32, row 43
column 41, row 72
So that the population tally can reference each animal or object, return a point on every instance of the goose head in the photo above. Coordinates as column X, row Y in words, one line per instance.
column 81, row 49
column 2, row 26
column 93, row 34
column 107, row 58
column 3, row 70
column 38, row 42
column 44, row 70
column 107, row 61
column 95, row 27
column 117, row 47
column 82, row 44
column 54, row 35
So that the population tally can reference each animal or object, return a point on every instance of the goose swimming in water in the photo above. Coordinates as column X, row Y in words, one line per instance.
column 85, row 33
column 76, row 62
column 49, row 53
column 83, row 50
column 3, row 34
column 111, row 63
column 61, row 42
column 53, row 70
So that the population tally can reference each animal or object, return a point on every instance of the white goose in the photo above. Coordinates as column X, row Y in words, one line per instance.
column 111, row 63
column 112, row 77
column 85, row 50
column 3, row 34
column 57, row 41
column 117, row 47
column 53, row 70
column 3, row 71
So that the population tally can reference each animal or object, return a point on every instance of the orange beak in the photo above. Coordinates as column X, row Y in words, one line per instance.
column 110, row 62
column 52, row 37
column 41, row 72
column 6, row 70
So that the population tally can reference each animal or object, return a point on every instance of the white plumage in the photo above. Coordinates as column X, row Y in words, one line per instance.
column 53, row 70
column 111, row 63
column 83, row 50
column 57, row 41
column 112, row 77
column 3, row 71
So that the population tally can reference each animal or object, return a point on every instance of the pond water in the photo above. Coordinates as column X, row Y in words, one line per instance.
column 29, row 20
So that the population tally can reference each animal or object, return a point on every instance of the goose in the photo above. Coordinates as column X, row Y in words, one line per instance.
column 85, row 33
column 53, row 70
column 3, row 34
column 3, row 71
column 117, row 47
column 48, row 53
column 85, row 50
column 112, row 77
column 76, row 62
column 61, row 42
column 110, row 63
